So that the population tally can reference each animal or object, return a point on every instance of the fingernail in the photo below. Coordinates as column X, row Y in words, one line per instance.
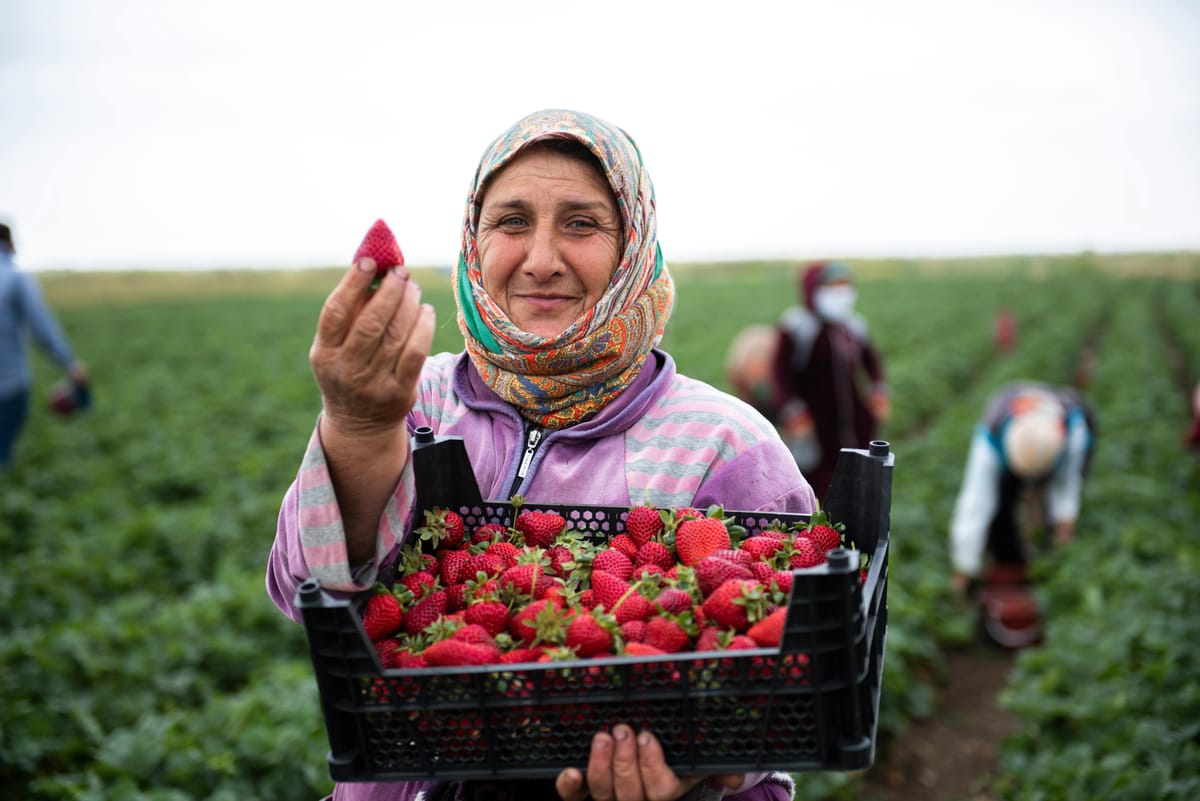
column 400, row 271
column 621, row 733
column 364, row 265
column 644, row 739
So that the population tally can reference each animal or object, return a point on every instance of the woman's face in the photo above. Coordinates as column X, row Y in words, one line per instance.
column 549, row 239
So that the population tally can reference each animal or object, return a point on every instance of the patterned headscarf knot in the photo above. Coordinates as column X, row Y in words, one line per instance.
column 565, row 379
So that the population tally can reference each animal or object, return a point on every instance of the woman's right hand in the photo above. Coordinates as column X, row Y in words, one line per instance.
column 367, row 358
column 369, row 350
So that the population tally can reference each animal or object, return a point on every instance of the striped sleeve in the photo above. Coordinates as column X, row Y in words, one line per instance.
column 322, row 538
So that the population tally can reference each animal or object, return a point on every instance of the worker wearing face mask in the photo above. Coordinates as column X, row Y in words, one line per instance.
column 827, row 376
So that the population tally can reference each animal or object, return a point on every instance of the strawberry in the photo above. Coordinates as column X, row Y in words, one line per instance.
column 424, row 612
column 489, row 532
column 490, row 564
column 448, row 653
column 641, row 649
column 506, row 551
column 386, row 649
column 455, row 598
column 741, row 642
column 541, row 529
column 527, row 580
column 590, row 635
column 613, row 561
column 382, row 616
column 655, row 553
column 643, row 523
column 561, row 560
column 735, row 555
column 633, row 630
column 625, row 544
column 380, row 244
column 442, row 528
column 519, row 655
column 539, row 622
column 696, row 539
column 673, row 600
column 620, row 599
column 668, row 634
column 762, row 548
column 419, row 583
column 474, row 633
column 491, row 615
column 712, row 571
column 825, row 535
column 712, row 638
column 736, row 604
column 407, row 659
column 805, row 553
column 768, row 632
column 453, row 566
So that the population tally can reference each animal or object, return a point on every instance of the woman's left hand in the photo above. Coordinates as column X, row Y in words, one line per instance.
column 630, row 766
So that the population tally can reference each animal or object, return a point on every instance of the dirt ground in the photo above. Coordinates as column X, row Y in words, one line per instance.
column 949, row 756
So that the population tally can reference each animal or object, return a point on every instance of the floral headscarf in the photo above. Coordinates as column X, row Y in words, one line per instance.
column 565, row 379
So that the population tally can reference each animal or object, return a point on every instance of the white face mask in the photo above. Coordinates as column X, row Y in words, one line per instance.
column 835, row 303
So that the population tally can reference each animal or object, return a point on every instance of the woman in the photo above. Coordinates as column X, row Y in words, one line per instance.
column 562, row 296
column 823, row 356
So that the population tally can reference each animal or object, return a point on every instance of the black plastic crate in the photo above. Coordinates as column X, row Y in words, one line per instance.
column 811, row 704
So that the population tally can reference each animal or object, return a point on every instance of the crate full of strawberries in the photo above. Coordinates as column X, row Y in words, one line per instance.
column 507, row 633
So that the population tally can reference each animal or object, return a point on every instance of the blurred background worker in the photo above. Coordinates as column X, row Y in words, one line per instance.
column 1034, row 444
column 1192, row 438
column 21, row 309
column 827, row 376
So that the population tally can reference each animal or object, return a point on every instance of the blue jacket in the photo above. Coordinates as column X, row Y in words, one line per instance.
column 21, row 309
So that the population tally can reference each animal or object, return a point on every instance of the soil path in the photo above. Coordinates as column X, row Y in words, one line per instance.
column 951, row 755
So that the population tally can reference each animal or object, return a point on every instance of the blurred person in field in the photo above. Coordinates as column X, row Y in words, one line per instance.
column 827, row 375
column 1033, row 445
column 1191, row 439
column 22, row 311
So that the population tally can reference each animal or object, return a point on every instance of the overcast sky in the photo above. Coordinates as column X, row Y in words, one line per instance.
column 155, row 133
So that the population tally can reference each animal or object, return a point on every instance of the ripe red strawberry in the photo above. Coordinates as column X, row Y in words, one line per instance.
column 455, row 598
column 382, row 616
column 561, row 560
column 673, row 600
column 453, row 566
column 624, row 544
column 783, row 580
column 407, row 659
column 805, row 553
column 655, row 553
column 613, row 561
column 425, row 611
column 763, row 572
column 712, row 571
column 825, row 535
column 419, row 583
column 527, row 580
column 590, row 636
column 386, row 649
column 492, row 615
column 666, row 634
column 538, row 623
column 763, row 548
column 541, row 529
column 506, row 551
column 490, row 564
column 696, row 539
column 489, row 532
column 641, row 649
column 442, row 528
column 643, row 523
column 474, row 633
column 520, row 655
column 633, row 630
column 735, row 555
column 620, row 599
column 768, row 632
column 736, row 604
column 741, row 642
column 452, row 653
column 380, row 244
column 712, row 638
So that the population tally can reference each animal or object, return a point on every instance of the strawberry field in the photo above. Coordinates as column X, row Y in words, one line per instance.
column 142, row 658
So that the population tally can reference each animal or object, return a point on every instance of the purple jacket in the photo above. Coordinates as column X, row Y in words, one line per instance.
column 667, row 440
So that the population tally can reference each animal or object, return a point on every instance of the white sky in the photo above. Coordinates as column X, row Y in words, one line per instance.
column 257, row 133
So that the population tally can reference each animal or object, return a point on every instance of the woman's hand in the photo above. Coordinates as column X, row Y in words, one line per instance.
column 367, row 358
column 369, row 349
column 629, row 766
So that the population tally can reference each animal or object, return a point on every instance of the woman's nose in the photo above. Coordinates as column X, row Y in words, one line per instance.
column 543, row 260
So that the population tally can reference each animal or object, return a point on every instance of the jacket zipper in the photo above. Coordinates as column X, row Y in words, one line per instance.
column 533, row 436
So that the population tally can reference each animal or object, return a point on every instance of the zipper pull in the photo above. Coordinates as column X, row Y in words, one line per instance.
column 535, row 436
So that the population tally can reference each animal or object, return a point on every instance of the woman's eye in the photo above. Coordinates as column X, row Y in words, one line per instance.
column 581, row 225
column 512, row 222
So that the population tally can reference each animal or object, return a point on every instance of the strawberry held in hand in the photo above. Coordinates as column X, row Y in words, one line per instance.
column 380, row 244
